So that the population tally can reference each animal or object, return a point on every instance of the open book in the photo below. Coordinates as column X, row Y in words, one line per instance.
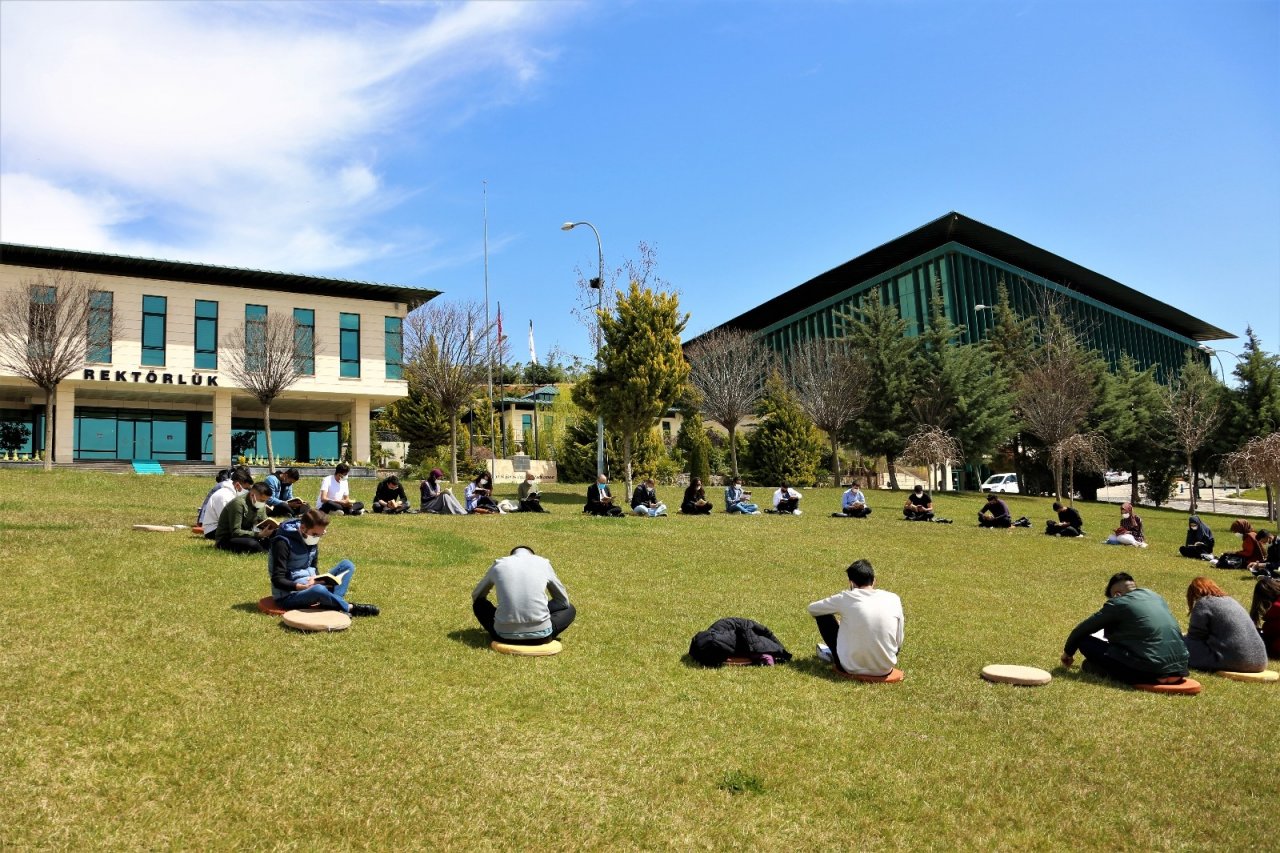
column 331, row 579
column 295, row 502
column 267, row 525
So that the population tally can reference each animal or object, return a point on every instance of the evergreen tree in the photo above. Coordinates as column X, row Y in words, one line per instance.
column 786, row 445
column 878, row 335
column 695, row 446
column 1255, row 402
column 419, row 421
column 1131, row 413
column 642, row 368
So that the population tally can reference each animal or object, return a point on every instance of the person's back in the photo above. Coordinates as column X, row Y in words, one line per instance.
column 1222, row 636
column 871, row 627
column 522, row 581
column 1142, row 635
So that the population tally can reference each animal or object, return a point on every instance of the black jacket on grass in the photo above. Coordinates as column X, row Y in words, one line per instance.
column 735, row 637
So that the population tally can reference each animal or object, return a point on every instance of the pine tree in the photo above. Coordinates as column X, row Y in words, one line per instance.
column 419, row 421
column 695, row 446
column 642, row 367
column 786, row 445
column 1131, row 413
column 1255, row 403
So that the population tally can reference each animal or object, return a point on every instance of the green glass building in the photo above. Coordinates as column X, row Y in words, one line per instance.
column 970, row 260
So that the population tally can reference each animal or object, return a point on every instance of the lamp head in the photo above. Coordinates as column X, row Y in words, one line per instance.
column 568, row 226
column 981, row 307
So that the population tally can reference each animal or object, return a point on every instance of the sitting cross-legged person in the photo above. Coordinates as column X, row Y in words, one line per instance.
column 293, row 566
column 1068, row 525
column 866, row 638
column 335, row 493
column 524, row 615
column 695, row 499
column 919, row 505
column 243, row 527
column 854, row 503
column 1143, row 643
column 644, row 500
column 530, row 498
column 786, row 500
column 737, row 499
column 1199, row 542
column 389, row 497
column 599, row 500
column 995, row 513
column 282, row 502
column 1220, row 635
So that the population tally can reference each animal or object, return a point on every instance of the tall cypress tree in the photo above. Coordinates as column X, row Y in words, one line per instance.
column 786, row 445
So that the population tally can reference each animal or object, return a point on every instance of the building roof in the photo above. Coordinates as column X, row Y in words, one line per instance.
column 17, row 254
column 957, row 228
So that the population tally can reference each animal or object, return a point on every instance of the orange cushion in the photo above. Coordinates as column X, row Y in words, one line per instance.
column 197, row 530
column 894, row 676
column 268, row 605
column 738, row 662
column 1186, row 687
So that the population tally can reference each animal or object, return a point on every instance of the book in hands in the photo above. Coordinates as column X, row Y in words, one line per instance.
column 295, row 502
column 331, row 579
column 266, row 525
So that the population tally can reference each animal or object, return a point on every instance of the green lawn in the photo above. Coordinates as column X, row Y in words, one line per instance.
column 146, row 703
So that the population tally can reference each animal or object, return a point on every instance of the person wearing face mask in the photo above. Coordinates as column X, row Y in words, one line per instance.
column 1199, row 539
column 238, row 525
column 292, row 565
column 599, row 500
column 1143, row 642
column 919, row 505
column 335, row 493
column 1250, row 551
column 1130, row 530
column 235, row 484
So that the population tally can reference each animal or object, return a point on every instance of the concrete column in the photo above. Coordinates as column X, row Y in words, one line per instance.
column 360, row 429
column 64, row 424
column 946, row 477
column 222, row 426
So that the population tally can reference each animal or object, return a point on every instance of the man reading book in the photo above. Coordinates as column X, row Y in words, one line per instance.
column 523, row 616
column 239, row 524
column 296, row 581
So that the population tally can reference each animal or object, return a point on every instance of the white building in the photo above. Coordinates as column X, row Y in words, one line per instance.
column 156, row 391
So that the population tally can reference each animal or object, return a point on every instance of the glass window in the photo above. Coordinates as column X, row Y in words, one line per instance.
column 255, row 335
column 349, row 344
column 304, row 340
column 206, row 335
column 394, row 348
column 154, row 311
column 99, row 333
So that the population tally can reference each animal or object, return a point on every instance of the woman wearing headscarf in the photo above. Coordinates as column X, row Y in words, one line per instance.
column 1220, row 634
column 1130, row 530
column 1250, row 551
column 1199, row 539
column 436, row 498
column 695, row 499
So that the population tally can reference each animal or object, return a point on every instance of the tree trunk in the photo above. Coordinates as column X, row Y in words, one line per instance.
column 1071, row 483
column 835, row 461
column 266, row 427
column 1057, row 479
column 626, row 459
column 893, row 472
column 1191, row 507
column 733, row 448
column 453, row 447
column 1133, row 482
column 49, row 394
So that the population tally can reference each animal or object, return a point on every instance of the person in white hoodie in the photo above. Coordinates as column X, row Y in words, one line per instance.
column 866, row 638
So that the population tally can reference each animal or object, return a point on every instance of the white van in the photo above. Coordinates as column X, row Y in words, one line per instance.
column 1001, row 483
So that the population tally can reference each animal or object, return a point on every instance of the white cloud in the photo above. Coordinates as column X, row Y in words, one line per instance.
column 238, row 133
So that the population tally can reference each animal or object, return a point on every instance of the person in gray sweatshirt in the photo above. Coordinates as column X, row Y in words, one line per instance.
column 523, row 615
column 1221, row 636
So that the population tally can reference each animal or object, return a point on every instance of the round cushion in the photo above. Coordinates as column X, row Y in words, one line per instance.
column 1186, row 687
column 155, row 528
column 738, row 662
column 316, row 620
column 268, row 605
column 552, row 647
column 1264, row 677
column 1023, row 676
column 893, row 677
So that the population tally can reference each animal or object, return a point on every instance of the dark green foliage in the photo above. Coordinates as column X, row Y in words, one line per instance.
column 419, row 421
column 1255, row 404
column 695, row 446
column 786, row 446
column 548, row 373
column 1132, row 415
column 13, row 435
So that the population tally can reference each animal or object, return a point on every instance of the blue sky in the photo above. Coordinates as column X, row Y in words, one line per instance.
column 753, row 144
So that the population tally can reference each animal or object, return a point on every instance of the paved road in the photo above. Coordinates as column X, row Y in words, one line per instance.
column 1211, row 500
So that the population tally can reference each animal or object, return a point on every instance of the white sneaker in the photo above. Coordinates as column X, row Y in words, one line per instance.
column 824, row 653
column 795, row 512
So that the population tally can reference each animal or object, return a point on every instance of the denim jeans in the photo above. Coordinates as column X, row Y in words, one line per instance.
column 322, row 595
column 742, row 506
column 561, row 614
column 651, row 511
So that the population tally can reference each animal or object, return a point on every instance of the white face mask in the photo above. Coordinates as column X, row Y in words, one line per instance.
column 1240, row 536
column 1124, row 515
column 307, row 539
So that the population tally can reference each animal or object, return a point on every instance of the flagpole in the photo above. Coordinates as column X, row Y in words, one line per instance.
column 488, row 339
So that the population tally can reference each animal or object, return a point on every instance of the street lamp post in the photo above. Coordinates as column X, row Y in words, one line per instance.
column 1216, row 353
column 569, row 226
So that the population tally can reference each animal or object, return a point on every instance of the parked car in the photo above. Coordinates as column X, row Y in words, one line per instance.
column 1116, row 478
column 1002, row 484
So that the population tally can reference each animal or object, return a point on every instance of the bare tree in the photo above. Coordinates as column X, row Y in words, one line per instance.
column 932, row 447
column 1080, row 451
column 445, row 354
column 830, row 386
column 728, row 368
column 641, row 269
column 1194, row 401
column 1258, row 461
column 49, row 327
column 266, row 357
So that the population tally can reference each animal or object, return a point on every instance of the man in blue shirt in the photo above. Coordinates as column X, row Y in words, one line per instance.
column 282, row 502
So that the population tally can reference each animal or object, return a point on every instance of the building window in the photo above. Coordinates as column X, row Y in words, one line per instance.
column 206, row 335
column 304, row 340
column 154, row 311
column 349, row 344
column 394, row 348
column 99, row 331
column 255, row 336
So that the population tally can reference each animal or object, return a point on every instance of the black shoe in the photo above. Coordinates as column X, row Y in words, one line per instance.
column 363, row 610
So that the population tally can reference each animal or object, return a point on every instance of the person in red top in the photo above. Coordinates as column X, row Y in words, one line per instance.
column 1266, row 607
column 1250, row 551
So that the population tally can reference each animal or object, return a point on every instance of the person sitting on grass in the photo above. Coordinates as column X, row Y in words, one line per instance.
column 695, row 499
column 389, row 497
column 735, row 499
column 995, row 513
column 1143, row 643
column 1264, row 611
column 866, row 638
column 854, row 503
column 1130, row 530
column 479, row 495
column 919, row 505
column 282, row 502
column 786, row 500
column 1250, row 551
column 1220, row 634
column 1199, row 539
column 1269, row 567
column 1069, row 523
column 599, row 501
column 240, row 526
column 530, row 499
column 436, row 498
column 237, row 482
column 523, row 616
column 644, row 500
column 293, row 565
column 335, row 493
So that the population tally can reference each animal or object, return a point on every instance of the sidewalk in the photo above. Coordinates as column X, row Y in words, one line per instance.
column 1210, row 501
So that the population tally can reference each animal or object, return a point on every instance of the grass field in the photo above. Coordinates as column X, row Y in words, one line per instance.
column 147, row 704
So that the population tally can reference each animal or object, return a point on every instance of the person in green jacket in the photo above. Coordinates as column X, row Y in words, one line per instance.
column 1143, row 642
column 238, row 525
